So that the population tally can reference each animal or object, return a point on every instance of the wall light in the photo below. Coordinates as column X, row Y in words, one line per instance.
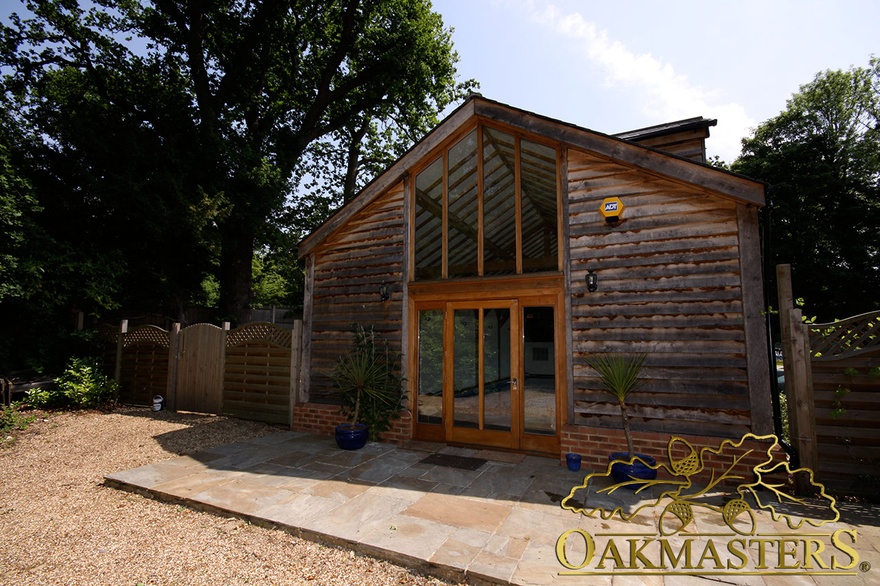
column 592, row 281
column 384, row 295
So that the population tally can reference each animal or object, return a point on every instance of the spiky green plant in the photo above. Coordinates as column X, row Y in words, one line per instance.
column 368, row 379
column 619, row 375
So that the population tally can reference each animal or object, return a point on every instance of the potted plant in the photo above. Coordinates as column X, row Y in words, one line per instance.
column 369, row 382
column 619, row 375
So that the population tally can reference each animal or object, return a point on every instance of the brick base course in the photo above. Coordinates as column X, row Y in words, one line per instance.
column 323, row 419
column 595, row 444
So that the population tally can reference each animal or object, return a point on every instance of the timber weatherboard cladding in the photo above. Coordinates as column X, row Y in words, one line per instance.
column 350, row 266
column 669, row 285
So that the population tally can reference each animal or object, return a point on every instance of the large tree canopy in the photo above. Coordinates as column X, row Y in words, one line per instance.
column 821, row 160
column 211, row 110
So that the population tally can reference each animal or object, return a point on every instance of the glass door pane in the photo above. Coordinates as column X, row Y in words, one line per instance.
column 496, row 369
column 466, row 368
column 430, row 367
column 482, row 369
column 539, row 360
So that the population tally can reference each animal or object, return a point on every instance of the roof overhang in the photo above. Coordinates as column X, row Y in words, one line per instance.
column 718, row 181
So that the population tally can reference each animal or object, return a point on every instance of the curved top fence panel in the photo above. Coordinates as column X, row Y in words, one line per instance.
column 847, row 337
column 147, row 334
column 262, row 331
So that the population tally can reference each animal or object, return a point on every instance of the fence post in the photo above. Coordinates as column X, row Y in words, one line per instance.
column 222, row 359
column 173, row 362
column 799, row 391
column 798, row 379
column 295, row 361
column 120, row 343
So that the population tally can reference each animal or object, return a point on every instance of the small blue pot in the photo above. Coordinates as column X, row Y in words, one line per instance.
column 623, row 472
column 352, row 436
column 573, row 461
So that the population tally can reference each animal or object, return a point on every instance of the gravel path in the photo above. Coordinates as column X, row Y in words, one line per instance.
column 60, row 525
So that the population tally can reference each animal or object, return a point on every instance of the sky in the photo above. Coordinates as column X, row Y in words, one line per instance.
column 620, row 65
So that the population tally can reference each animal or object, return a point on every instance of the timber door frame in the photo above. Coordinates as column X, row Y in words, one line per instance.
column 536, row 291
column 480, row 435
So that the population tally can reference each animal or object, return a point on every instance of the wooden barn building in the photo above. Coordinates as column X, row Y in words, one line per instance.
column 472, row 254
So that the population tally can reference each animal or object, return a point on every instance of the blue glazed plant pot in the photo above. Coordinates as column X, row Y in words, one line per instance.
column 623, row 472
column 573, row 461
column 352, row 436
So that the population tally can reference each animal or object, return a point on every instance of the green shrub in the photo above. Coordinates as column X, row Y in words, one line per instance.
column 81, row 385
column 12, row 419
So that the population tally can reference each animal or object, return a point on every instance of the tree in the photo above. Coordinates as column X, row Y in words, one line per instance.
column 269, row 79
column 821, row 160
column 105, row 147
column 236, row 92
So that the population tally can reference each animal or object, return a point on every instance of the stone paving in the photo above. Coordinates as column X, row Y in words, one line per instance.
column 497, row 524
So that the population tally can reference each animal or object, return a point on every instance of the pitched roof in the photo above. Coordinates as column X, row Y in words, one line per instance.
column 718, row 181
column 698, row 123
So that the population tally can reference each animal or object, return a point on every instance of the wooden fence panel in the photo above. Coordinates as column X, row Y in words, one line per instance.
column 845, row 369
column 143, row 367
column 257, row 373
column 251, row 372
column 200, row 370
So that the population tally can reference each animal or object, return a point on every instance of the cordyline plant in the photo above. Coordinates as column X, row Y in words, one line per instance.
column 619, row 375
column 369, row 381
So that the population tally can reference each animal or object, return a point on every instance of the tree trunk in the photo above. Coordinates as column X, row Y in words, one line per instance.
column 353, row 161
column 236, row 277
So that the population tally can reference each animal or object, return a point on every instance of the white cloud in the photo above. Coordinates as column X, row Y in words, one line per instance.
column 666, row 95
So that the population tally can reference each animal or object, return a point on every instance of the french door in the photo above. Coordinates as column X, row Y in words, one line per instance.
column 486, row 373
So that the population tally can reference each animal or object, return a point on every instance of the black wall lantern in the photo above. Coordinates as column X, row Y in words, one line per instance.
column 592, row 281
column 384, row 295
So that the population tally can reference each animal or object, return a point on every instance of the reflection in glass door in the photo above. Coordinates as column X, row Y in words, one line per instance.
column 483, row 375
column 539, row 365
column 481, row 369
column 429, row 382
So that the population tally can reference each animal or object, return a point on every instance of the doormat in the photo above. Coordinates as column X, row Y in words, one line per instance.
column 450, row 461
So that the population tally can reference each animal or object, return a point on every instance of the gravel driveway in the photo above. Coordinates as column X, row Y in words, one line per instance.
column 60, row 525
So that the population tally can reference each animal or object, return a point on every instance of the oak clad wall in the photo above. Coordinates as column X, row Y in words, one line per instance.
column 349, row 268
column 669, row 285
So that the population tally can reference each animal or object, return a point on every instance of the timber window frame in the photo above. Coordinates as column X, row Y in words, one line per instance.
column 450, row 223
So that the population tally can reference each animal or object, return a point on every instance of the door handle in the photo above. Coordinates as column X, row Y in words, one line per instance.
column 514, row 381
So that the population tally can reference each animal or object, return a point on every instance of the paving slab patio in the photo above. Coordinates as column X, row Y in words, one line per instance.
column 497, row 524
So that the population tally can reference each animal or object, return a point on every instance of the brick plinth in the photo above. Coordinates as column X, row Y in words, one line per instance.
column 323, row 419
column 595, row 444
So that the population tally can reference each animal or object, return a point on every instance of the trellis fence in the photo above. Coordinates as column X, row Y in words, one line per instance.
column 250, row 372
column 832, row 383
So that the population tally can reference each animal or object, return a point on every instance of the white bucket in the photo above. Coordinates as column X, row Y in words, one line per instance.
column 158, row 403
